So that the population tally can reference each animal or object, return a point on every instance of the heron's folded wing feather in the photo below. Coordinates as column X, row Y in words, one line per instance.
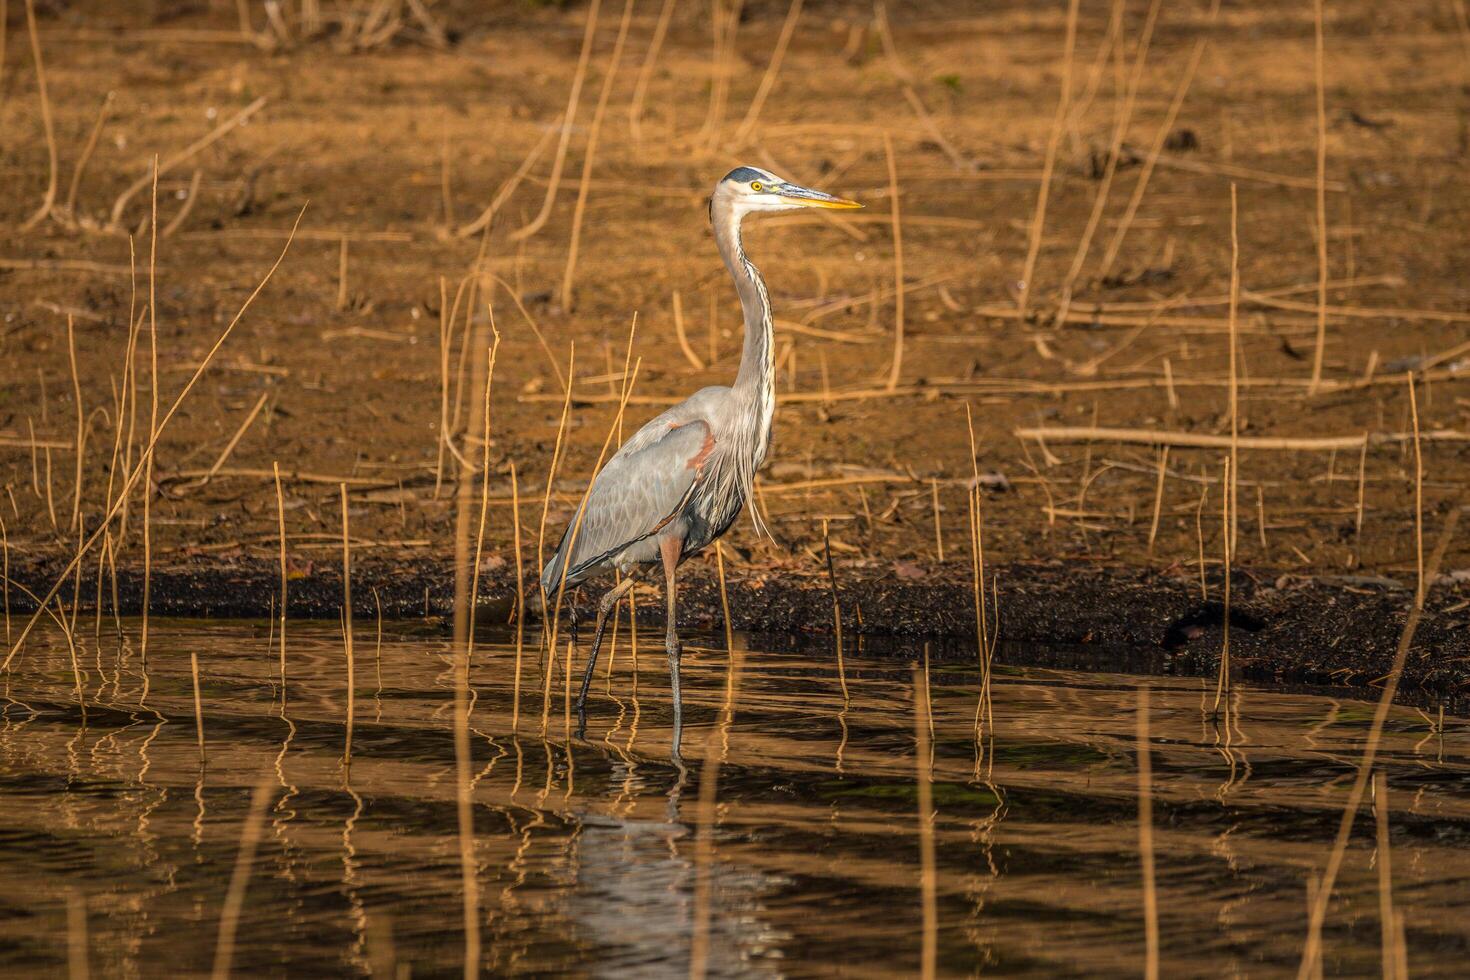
column 637, row 493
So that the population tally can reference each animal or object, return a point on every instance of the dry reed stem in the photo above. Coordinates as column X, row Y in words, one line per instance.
column 484, row 486
column 444, row 335
column 836, row 610
column 520, row 611
column 1233, row 502
column 49, row 200
column 768, row 80
column 1199, row 537
column 81, row 443
column 240, row 431
column 1153, row 528
column 76, row 901
column 897, row 364
column 1198, row 440
column 137, row 471
column 593, row 131
column 347, row 633
column 561, row 428
column 1146, row 841
column 1311, row 952
column 281, row 530
column 721, row 68
column 510, row 185
column 1422, row 590
column 1110, row 255
column 193, row 148
column 724, row 598
column 1222, row 681
column 342, row 296
column 905, row 81
column 977, row 541
column 198, row 708
column 1120, row 129
column 1384, row 859
column 569, row 119
column 88, row 148
column 1317, row 353
column 147, row 462
column 224, row 949
column 1038, row 218
column 938, row 528
column 645, row 74
column 5, row 576
column 929, row 948
column 190, row 199
column 689, row 354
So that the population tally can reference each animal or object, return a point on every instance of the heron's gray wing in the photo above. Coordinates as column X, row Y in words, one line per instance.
column 634, row 496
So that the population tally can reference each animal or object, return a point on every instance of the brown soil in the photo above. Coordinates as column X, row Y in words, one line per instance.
column 351, row 367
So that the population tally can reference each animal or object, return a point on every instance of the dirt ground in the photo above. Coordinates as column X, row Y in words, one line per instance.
column 339, row 371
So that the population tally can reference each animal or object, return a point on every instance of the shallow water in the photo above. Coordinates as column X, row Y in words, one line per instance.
column 589, row 852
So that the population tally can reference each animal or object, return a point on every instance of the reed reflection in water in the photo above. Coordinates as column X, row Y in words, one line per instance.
column 596, row 855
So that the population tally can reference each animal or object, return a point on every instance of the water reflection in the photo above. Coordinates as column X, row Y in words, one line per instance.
column 784, row 841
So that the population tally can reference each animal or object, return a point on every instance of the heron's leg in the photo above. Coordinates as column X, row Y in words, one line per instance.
column 607, row 604
column 669, row 550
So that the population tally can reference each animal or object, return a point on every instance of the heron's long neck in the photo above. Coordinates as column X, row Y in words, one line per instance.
column 757, row 375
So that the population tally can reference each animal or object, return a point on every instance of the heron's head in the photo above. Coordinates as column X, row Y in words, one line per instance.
column 748, row 189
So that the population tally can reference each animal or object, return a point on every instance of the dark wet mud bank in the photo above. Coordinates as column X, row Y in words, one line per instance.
column 1341, row 631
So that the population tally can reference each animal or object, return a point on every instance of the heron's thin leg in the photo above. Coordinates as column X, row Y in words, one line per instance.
column 605, row 606
column 670, row 549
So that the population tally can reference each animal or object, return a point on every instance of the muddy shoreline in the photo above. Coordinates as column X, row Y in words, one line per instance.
column 1340, row 631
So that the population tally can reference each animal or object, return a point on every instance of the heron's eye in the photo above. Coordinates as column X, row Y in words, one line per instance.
column 755, row 185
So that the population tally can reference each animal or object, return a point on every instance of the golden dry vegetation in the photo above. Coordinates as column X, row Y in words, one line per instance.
column 394, row 135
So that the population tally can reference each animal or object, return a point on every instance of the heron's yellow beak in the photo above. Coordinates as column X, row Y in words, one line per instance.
column 809, row 198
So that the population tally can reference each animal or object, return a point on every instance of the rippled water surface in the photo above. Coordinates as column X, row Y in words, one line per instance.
column 604, row 856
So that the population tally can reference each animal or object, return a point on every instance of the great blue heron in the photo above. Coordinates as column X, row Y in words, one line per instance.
column 681, row 480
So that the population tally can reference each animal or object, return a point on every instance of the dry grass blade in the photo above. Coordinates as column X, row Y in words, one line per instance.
column 585, row 185
column 148, row 450
column 503, row 193
column 281, row 530
column 146, row 463
column 569, row 119
column 905, row 81
column 1053, row 142
column 88, row 148
column 1120, row 129
column 897, row 364
column 1110, row 255
column 49, row 200
column 1318, row 351
column 645, row 74
column 213, row 136
column 347, row 632
column 81, row 443
column 768, row 80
